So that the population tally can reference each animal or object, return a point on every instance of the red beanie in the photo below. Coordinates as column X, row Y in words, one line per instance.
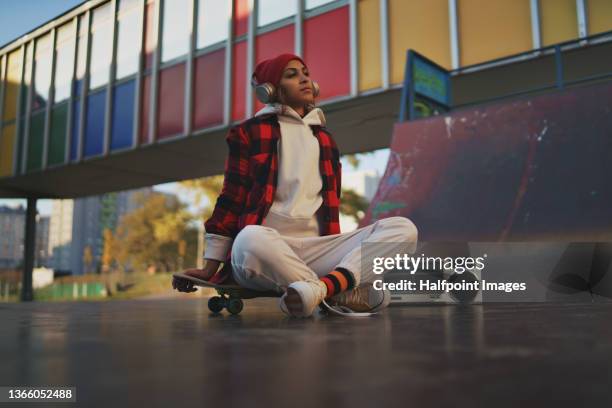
column 271, row 70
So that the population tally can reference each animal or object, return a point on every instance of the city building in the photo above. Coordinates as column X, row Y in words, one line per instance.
column 92, row 215
column 76, row 231
column 12, row 231
column 60, row 234
column 42, row 240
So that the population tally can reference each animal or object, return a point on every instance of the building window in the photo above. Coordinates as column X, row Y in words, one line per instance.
column 101, row 46
column 175, row 33
column 42, row 72
column 129, row 37
column 64, row 61
column 213, row 21
column 273, row 10
column 81, row 49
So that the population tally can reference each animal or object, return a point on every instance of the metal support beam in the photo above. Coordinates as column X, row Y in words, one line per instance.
column 84, row 88
column 536, row 34
column 26, row 128
column 354, row 47
column 139, row 80
column 3, row 74
column 384, row 43
column 229, row 67
column 299, row 29
column 155, row 71
column 50, row 98
column 27, row 293
column 559, row 66
column 250, row 65
column 69, row 116
column 112, row 69
column 583, row 23
column 454, row 33
column 189, row 69
column 18, row 111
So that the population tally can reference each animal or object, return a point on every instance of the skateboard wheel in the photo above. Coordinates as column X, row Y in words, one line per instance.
column 234, row 306
column 215, row 304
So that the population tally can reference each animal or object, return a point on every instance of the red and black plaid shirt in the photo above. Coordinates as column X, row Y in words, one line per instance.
column 251, row 170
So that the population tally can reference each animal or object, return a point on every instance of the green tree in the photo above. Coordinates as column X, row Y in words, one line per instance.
column 353, row 204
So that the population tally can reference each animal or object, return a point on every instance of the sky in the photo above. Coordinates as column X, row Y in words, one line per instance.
column 17, row 17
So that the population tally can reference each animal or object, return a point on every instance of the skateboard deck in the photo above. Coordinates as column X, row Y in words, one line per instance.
column 231, row 289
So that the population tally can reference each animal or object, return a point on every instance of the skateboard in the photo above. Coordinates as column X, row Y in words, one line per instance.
column 230, row 295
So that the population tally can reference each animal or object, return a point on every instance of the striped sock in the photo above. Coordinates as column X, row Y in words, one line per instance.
column 338, row 281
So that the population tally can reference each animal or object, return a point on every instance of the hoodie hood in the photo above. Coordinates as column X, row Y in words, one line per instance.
column 314, row 117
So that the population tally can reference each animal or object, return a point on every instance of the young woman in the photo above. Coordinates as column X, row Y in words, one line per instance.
column 275, row 225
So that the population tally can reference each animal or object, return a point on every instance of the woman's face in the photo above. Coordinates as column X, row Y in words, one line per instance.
column 296, row 85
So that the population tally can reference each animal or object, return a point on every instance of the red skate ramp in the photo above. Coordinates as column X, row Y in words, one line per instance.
column 537, row 168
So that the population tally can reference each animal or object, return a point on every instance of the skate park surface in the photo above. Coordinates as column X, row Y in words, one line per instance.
column 174, row 352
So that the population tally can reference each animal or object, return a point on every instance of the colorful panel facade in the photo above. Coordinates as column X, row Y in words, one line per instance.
column 145, row 107
column 56, row 151
column 123, row 116
column 421, row 26
column 74, row 129
column 558, row 21
column 326, row 49
column 241, row 19
column 171, row 102
column 11, row 87
column 239, row 81
column 35, row 142
column 94, row 126
column 208, row 94
column 7, row 142
column 490, row 29
column 599, row 16
column 369, row 44
column 150, row 39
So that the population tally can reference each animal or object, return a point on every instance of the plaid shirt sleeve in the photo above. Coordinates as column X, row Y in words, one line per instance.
column 222, row 226
column 338, row 164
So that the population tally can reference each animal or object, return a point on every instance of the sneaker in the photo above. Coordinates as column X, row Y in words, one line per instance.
column 363, row 299
column 303, row 297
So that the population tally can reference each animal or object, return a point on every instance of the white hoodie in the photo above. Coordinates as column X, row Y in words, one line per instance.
column 299, row 184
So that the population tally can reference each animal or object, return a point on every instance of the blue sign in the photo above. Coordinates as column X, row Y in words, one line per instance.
column 430, row 81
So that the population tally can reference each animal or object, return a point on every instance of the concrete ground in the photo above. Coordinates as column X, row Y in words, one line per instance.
column 174, row 353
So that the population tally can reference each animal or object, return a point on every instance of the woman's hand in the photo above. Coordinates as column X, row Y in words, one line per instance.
column 210, row 269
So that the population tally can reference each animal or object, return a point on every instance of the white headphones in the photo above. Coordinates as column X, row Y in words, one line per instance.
column 265, row 92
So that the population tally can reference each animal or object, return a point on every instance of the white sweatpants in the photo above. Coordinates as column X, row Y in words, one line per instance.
column 263, row 259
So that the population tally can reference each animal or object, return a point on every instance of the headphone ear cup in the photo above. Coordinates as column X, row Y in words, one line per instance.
column 265, row 92
column 315, row 88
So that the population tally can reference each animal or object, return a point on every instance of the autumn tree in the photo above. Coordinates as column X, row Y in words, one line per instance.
column 107, row 251
column 151, row 235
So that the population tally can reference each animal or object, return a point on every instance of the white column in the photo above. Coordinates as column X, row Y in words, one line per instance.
column 384, row 43
column 536, row 35
column 454, row 33
column 250, row 65
column 354, row 47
